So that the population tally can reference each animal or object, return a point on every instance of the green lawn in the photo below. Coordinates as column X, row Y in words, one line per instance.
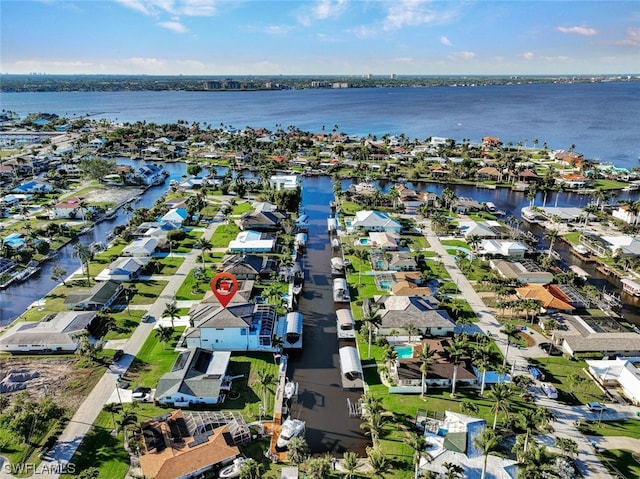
column 169, row 265
column 126, row 323
column 186, row 245
column 147, row 291
column 627, row 427
column 190, row 291
column 621, row 461
column 223, row 234
column 153, row 360
column 102, row 450
column 558, row 370
column 241, row 208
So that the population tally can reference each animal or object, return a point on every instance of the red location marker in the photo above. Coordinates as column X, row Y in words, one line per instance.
column 224, row 287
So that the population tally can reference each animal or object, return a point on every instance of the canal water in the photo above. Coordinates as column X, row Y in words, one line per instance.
column 19, row 296
column 321, row 401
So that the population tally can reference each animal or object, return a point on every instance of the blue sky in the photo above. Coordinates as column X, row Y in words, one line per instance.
column 320, row 37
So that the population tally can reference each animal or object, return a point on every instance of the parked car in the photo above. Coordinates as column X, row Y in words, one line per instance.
column 596, row 406
column 141, row 394
column 117, row 355
column 147, row 318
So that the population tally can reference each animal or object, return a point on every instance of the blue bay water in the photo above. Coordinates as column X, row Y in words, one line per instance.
column 602, row 120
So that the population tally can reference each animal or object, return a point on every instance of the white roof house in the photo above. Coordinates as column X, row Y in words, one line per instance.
column 374, row 221
column 57, row 335
column 503, row 248
column 176, row 215
column 124, row 269
column 284, row 182
column 251, row 241
column 618, row 372
column 141, row 247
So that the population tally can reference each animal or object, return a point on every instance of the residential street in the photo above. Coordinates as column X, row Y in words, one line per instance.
column 88, row 411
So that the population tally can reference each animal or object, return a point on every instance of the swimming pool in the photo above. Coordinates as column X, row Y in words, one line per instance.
column 364, row 241
column 404, row 352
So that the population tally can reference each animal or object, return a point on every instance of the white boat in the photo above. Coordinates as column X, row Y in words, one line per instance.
column 233, row 470
column 630, row 287
column 555, row 255
column 580, row 249
column 290, row 389
column 290, row 428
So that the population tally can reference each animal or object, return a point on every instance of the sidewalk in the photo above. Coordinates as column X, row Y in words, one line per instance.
column 588, row 463
column 82, row 421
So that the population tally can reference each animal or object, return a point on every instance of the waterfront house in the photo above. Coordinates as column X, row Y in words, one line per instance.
column 261, row 220
column 397, row 313
column 101, row 295
column 57, row 334
column 385, row 241
column 141, row 247
column 150, row 174
column 124, row 269
column 176, row 215
column 495, row 248
column 284, row 182
column 252, row 242
column 623, row 213
column 402, row 261
column 185, row 445
column 71, row 208
column 33, row 186
column 242, row 266
column 615, row 246
column 371, row 220
column 550, row 298
column 574, row 181
column 479, row 229
column 197, row 377
column 155, row 229
column 465, row 206
column 238, row 327
column 406, row 376
column 525, row 271
column 490, row 173
column 619, row 373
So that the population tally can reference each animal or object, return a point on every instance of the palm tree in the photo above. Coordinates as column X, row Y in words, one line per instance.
column 417, row 443
column 204, row 245
column 487, row 442
column 264, row 380
column 530, row 422
column 377, row 461
column 412, row 330
column 362, row 254
column 426, row 357
column 350, row 463
column 500, row 394
column 569, row 447
column 511, row 332
column 372, row 320
column 171, row 311
column 297, row 450
column 552, row 235
column 456, row 350
column 113, row 408
column 251, row 469
column 373, row 425
column 128, row 418
column 448, row 196
column 483, row 357
column 164, row 334
column 453, row 470
column 537, row 463
column 84, row 254
column 370, row 404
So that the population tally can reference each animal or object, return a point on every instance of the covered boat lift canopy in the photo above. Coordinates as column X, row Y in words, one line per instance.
column 345, row 324
column 350, row 363
column 293, row 336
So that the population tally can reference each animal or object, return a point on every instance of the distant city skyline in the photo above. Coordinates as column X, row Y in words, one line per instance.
column 319, row 37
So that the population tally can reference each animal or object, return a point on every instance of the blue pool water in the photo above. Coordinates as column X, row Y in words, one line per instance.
column 404, row 352
column 364, row 241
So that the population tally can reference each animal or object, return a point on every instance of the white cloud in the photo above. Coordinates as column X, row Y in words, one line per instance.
column 528, row 56
column 322, row 10
column 632, row 39
column 53, row 65
column 188, row 8
column 174, row 26
column 465, row 55
column 415, row 13
column 445, row 41
column 584, row 31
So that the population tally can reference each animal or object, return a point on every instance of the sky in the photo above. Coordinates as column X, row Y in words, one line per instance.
column 320, row 37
